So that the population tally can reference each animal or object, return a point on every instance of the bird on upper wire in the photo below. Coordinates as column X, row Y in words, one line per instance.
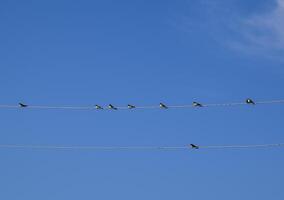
column 163, row 106
column 193, row 146
column 98, row 107
column 23, row 105
column 129, row 106
column 250, row 101
column 110, row 106
column 196, row 104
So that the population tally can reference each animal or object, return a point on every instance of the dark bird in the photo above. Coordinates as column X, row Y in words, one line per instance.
column 196, row 104
column 250, row 101
column 194, row 146
column 23, row 105
column 130, row 106
column 99, row 107
column 163, row 106
column 110, row 106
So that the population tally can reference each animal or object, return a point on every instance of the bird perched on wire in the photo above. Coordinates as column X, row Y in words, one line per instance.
column 110, row 106
column 250, row 101
column 196, row 104
column 193, row 146
column 129, row 106
column 163, row 106
column 98, row 107
column 23, row 105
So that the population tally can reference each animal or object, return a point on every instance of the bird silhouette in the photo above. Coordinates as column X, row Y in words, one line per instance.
column 163, row 106
column 194, row 146
column 130, row 106
column 250, row 101
column 196, row 104
column 110, row 106
column 23, row 105
column 98, row 107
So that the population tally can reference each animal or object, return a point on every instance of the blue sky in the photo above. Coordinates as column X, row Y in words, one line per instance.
column 141, row 52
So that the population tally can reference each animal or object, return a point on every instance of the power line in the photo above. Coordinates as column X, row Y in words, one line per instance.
column 243, row 146
column 132, row 148
column 92, row 147
column 131, row 107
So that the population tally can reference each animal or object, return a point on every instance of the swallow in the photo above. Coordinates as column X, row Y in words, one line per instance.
column 163, row 106
column 110, row 106
column 98, row 107
column 23, row 105
column 129, row 106
column 250, row 101
column 196, row 104
column 193, row 146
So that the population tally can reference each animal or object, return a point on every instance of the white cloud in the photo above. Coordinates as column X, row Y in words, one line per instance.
column 264, row 32
column 253, row 31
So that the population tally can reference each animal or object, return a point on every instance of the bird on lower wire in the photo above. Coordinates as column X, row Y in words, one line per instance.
column 163, row 106
column 23, row 105
column 98, row 107
column 196, row 104
column 129, row 106
column 193, row 146
column 110, row 106
column 250, row 101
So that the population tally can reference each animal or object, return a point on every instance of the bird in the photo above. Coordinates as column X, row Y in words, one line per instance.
column 110, row 106
column 163, row 106
column 196, row 104
column 98, row 107
column 23, row 105
column 250, row 101
column 130, row 106
column 194, row 146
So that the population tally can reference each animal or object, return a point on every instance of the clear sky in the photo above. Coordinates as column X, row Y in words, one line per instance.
column 141, row 52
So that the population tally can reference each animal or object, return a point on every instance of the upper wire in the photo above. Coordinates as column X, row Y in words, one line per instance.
column 140, row 107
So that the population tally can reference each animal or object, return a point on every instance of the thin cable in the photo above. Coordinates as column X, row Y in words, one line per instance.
column 15, row 146
column 243, row 146
column 140, row 107
column 132, row 148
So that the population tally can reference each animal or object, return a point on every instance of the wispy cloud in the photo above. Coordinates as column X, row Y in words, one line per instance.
column 239, row 26
column 262, row 32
